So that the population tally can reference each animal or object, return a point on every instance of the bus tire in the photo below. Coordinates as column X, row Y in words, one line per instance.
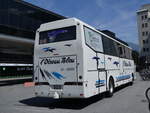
column 111, row 88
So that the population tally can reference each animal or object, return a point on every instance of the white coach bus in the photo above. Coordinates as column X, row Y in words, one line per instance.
column 74, row 60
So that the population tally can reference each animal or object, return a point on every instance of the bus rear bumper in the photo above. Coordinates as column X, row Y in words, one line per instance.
column 66, row 92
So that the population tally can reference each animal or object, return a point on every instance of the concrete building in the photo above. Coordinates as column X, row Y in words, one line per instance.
column 143, row 22
column 18, row 22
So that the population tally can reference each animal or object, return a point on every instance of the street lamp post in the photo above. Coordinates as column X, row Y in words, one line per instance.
column 146, row 66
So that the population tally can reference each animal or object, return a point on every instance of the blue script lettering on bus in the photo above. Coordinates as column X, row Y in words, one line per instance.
column 67, row 60
column 63, row 60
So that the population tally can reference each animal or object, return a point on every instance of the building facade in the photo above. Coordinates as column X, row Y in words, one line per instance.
column 19, row 21
column 143, row 22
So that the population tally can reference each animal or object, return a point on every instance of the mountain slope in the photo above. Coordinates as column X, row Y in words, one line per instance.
column 134, row 46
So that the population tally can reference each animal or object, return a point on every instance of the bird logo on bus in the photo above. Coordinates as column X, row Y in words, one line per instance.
column 49, row 49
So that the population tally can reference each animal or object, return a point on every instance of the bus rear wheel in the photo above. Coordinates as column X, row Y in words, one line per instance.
column 111, row 88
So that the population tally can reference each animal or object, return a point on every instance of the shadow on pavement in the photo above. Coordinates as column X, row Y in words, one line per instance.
column 76, row 104
column 61, row 103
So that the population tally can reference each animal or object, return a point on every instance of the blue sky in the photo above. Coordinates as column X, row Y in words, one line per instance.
column 118, row 16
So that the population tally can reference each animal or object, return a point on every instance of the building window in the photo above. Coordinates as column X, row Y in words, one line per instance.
column 143, row 33
column 145, row 16
column 142, row 17
column 144, row 49
column 146, row 33
column 147, row 41
column 143, row 41
column 146, row 25
column 147, row 49
column 142, row 25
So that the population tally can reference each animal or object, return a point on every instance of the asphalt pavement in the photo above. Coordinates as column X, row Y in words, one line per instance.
column 15, row 98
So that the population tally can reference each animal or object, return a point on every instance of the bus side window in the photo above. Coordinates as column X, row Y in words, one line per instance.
column 127, row 53
column 93, row 39
column 130, row 52
column 120, row 51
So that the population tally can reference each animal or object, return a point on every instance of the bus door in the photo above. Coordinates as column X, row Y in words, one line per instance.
column 94, row 41
column 102, row 76
column 122, row 55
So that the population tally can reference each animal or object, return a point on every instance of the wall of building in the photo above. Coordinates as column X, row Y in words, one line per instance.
column 19, row 21
column 143, row 21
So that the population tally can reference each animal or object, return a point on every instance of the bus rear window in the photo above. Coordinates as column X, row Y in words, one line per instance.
column 57, row 35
